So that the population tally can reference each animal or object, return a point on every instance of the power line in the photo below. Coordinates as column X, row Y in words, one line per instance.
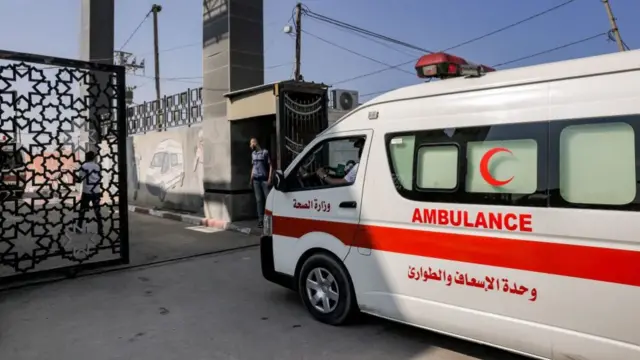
column 147, row 53
column 352, row 52
column 372, row 73
column 357, row 29
column 184, row 79
column 135, row 31
column 611, row 37
column 521, row 58
column 520, row 22
column 379, row 42
column 510, row 25
column 552, row 50
column 177, row 47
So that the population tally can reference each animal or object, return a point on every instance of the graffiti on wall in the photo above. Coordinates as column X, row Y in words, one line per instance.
column 166, row 169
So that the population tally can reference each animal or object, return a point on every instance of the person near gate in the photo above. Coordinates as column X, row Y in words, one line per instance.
column 261, row 173
column 90, row 176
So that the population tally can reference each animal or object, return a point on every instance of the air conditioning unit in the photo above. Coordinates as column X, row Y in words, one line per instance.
column 345, row 100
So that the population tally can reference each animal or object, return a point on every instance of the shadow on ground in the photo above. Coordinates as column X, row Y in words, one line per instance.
column 153, row 239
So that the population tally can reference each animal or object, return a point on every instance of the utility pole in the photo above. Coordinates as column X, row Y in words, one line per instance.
column 614, row 26
column 156, row 54
column 298, row 40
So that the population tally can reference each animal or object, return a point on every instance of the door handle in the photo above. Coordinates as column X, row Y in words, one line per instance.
column 348, row 204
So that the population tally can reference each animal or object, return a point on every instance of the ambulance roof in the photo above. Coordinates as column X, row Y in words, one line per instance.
column 601, row 64
column 609, row 63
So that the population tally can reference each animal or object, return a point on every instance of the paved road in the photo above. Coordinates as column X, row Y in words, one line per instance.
column 214, row 307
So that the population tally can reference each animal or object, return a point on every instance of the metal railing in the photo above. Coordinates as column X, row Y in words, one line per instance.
column 175, row 110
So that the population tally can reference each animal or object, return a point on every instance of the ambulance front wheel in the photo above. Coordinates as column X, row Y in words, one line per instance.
column 326, row 290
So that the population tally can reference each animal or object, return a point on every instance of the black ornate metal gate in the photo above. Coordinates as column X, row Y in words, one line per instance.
column 302, row 115
column 52, row 112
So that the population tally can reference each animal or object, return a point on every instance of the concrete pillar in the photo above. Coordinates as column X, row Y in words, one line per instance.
column 96, row 30
column 233, row 59
column 96, row 44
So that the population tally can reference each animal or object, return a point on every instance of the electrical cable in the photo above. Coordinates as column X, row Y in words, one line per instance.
column 372, row 73
column 534, row 16
column 613, row 39
column 520, row 58
column 177, row 47
column 352, row 52
column 379, row 42
column 510, row 25
column 552, row 49
column 354, row 28
column 185, row 79
column 122, row 47
column 136, row 30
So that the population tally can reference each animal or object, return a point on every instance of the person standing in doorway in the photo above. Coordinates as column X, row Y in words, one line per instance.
column 261, row 173
column 91, row 178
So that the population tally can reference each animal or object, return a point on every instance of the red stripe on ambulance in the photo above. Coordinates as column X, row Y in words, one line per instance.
column 578, row 261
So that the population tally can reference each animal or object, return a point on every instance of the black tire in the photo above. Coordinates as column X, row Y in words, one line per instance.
column 346, row 304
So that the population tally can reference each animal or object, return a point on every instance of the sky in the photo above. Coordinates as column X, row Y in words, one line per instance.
column 52, row 27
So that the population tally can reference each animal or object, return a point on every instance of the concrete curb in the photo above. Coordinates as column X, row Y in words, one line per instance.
column 196, row 220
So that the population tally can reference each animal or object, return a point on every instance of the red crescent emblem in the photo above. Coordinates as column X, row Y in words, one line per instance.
column 484, row 167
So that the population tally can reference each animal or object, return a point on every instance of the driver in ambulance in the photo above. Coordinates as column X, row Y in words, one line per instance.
column 350, row 178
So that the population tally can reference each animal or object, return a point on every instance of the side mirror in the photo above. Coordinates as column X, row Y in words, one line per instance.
column 278, row 181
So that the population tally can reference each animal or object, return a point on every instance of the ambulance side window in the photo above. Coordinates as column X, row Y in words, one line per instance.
column 401, row 150
column 501, row 164
column 336, row 156
column 437, row 167
column 511, row 166
column 594, row 163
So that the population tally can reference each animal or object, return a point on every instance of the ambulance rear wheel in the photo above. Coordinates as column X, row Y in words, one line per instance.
column 326, row 290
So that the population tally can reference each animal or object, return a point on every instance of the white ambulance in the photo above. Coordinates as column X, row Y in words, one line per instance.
column 498, row 207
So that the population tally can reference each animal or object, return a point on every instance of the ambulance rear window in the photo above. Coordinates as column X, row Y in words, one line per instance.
column 598, row 164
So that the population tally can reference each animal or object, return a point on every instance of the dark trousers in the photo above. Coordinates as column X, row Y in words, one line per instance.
column 261, row 189
column 94, row 200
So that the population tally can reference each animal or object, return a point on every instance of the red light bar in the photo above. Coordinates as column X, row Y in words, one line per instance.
column 444, row 66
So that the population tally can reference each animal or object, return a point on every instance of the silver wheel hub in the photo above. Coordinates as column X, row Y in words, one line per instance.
column 322, row 290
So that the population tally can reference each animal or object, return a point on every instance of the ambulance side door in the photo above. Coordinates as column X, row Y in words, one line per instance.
column 312, row 214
